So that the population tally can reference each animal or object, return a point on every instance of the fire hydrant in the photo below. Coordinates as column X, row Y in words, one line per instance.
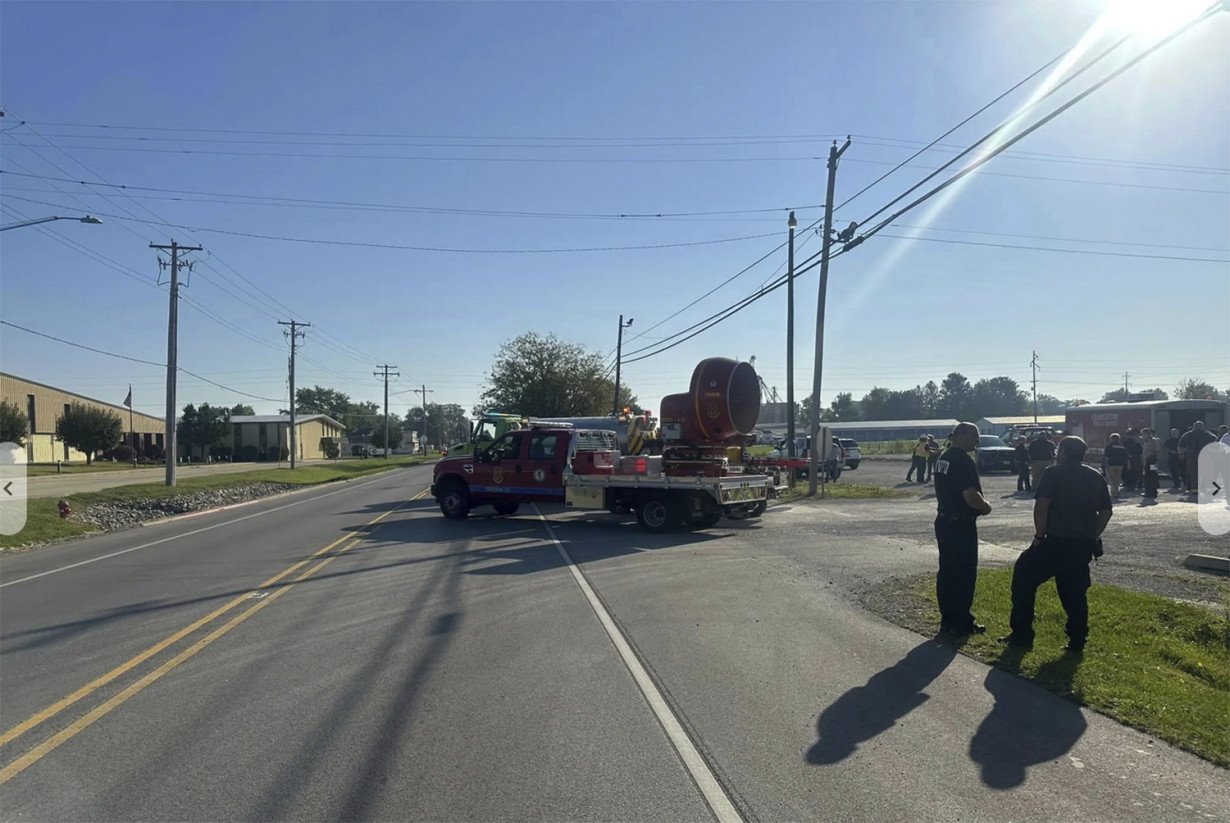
column 65, row 511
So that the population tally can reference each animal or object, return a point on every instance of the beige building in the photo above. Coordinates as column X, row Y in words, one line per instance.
column 44, row 405
column 267, row 436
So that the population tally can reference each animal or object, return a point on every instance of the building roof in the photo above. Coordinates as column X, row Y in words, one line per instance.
column 282, row 418
column 1022, row 420
column 116, row 406
column 1150, row 404
column 892, row 424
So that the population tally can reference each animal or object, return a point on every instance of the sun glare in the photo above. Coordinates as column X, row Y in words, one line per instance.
column 1151, row 18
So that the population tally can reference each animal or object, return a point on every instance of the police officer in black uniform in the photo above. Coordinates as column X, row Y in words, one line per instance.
column 958, row 493
column 1071, row 510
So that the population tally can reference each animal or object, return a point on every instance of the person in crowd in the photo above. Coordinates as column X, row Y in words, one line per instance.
column 1223, row 432
column 959, row 502
column 1041, row 455
column 834, row 460
column 1115, row 457
column 1021, row 464
column 1174, row 466
column 1071, row 511
column 933, row 454
column 918, row 461
column 1190, row 446
column 1151, row 447
column 1135, row 450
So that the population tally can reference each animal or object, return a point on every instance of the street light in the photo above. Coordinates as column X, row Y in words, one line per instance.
column 619, row 352
column 87, row 219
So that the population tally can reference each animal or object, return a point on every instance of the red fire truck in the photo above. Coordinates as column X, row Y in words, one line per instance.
column 690, row 485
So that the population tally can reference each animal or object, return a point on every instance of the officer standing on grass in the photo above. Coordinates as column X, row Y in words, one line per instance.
column 958, row 494
column 1071, row 509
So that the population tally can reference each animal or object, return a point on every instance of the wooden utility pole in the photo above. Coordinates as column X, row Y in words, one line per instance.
column 171, row 453
column 386, row 372
column 425, row 391
column 295, row 335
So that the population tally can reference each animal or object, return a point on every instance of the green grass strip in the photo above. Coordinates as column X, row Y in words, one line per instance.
column 1152, row 663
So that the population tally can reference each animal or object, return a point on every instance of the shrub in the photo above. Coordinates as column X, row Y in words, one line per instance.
column 330, row 447
column 249, row 454
column 122, row 453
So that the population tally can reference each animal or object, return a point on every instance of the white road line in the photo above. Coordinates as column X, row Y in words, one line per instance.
column 189, row 534
column 719, row 802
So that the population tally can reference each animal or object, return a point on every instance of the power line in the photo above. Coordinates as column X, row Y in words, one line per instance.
column 1211, row 10
column 403, row 247
column 134, row 360
column 1094, row 252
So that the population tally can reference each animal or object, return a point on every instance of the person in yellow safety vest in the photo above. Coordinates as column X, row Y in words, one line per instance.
column 918, row 462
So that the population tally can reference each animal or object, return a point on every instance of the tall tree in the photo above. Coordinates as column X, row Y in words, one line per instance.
column 997, row 396
column 843, row 408
column 874, row 404
column 1049, row 404
column 395, row 432
column 1194, row 388
column 904, row 405
column 13, row 424
column 956, row 397
column 446, row 423
column 361, row 419
column 929, row 396
column 543, row 376
column 320, row 400
column 89, row 429
column 242, row 409
column 204, row 428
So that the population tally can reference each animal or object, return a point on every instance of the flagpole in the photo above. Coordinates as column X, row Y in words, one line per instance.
column 132, row 430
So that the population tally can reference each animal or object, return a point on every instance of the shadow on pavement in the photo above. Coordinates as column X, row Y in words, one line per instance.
column 865, row 711
column 1027, row 725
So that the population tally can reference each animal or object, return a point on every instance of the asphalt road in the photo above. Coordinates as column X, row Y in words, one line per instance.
column 346, row 653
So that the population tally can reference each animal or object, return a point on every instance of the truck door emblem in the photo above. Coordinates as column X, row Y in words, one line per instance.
column 497, row 476
column 468, row 468
column 539, row 475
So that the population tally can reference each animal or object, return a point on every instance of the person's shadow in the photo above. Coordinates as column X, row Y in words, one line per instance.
column 865, row 711
column 1027, row 725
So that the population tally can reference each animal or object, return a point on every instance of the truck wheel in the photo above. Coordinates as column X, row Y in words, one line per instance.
column 657, row 514
column 707, row 520
column 454, row 501
column 505, row 508
column 758, row 509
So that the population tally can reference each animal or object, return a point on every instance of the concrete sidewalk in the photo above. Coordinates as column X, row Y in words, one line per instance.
column 60, row 485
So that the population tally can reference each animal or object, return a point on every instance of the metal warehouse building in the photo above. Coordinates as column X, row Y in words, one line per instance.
column 872, row 431
column 44, row 405
column 267, row 436
column 999, row 425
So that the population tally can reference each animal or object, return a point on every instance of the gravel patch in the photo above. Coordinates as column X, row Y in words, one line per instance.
column 124, row 514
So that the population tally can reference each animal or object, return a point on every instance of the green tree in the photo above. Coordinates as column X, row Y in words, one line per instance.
column 446, row 422
column 13, row 424
column 396, row 434
column 929, row 396
column 1049, row 404
column 1123, row 395
column 843, row 408
column 361, row 419
column 904, row 405
column 956, row 397
column 543, row 376
column 89, row 429
column 1194, row 388
column 320, row 400
column 242, row 409
column 997, row 397
column 203, row 428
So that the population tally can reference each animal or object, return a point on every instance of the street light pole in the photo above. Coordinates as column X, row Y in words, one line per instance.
column 818, row 448
column 87, row 219
column 619, row 352
column 791, row 450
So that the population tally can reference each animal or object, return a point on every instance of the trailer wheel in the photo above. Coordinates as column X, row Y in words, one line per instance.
column 657, row 514
column 505, row 508
column 454, row 500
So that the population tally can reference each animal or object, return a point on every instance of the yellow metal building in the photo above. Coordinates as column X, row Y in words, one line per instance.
column 267, row 436
column 44, row 405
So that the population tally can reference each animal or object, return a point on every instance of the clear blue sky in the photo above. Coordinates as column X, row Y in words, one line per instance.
column 478, row 74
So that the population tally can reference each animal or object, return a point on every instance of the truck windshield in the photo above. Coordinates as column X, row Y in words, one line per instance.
column 486, row 431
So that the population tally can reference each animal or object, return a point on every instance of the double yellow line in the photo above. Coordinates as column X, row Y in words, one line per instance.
column 31, row 757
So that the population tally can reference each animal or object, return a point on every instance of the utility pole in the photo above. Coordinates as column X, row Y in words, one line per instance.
column 171, row 454
column 619, row 353
column 1034, row 365
column 294, row 334
column 385, row 372
column 1125, row 385
column 424, row 391
column 791, row 451
column 816, row 446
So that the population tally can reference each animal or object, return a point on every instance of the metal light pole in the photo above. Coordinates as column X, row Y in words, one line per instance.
column 619, row 352
column 791, row 450
column 86, row 219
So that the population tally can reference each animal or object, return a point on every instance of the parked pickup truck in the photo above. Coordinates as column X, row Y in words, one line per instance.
column 582, row 468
